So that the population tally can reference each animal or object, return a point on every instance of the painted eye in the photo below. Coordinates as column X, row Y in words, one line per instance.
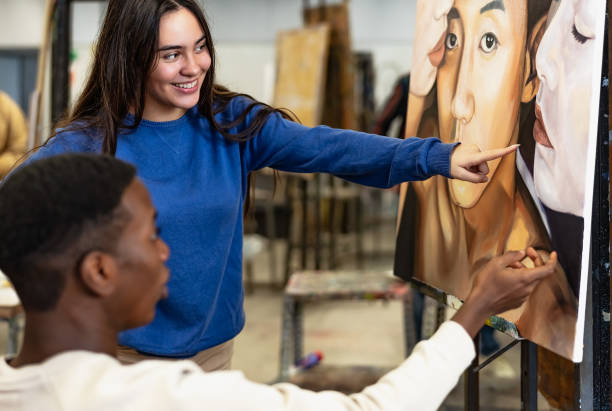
column 580, row 38
column 451, row 41
column 488, row 43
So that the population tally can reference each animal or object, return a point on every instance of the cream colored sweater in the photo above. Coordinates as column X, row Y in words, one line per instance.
column 80, row 380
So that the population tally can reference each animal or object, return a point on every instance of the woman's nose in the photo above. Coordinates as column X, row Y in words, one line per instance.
column 190, row 67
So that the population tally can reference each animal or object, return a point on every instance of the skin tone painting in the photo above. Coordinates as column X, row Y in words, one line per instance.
column 493, row 73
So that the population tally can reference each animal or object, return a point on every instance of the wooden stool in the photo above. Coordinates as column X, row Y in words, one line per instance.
column 309, row 286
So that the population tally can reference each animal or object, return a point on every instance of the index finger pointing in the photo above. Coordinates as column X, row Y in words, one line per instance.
column 493, row 154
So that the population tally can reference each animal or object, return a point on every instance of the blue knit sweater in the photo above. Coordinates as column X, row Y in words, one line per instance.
column 198, row 180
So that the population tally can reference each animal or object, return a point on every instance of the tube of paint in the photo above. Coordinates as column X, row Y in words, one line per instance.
column 309, row 360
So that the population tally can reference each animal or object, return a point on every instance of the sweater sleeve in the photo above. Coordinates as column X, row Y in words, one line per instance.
column 99, row 381
column 66, row 142
column 355, row 156
column 421, row 382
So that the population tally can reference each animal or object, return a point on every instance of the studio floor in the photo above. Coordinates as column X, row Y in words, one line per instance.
column 350, row 332
column 358, row 332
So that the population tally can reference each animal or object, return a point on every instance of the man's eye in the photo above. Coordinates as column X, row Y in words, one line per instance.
column 451, row 41
column 488, row 43
column 155, row 236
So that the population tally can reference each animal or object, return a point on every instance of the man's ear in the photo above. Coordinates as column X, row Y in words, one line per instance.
column 531, row 82
column 99, row 274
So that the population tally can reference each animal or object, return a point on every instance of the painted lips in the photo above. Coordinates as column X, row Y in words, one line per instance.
column 539, row 131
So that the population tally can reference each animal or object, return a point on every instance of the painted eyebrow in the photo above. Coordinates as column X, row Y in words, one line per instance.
column 453, row 14
column 494, row 5
column 165, row 48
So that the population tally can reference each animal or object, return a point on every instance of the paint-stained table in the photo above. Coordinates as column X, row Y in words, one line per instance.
column 312, row 286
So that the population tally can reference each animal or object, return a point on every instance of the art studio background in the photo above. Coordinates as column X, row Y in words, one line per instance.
column 298, row 223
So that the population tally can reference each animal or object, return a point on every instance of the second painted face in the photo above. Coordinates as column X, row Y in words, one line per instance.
column 564, row 63
column 174, row 83
column 480, row 81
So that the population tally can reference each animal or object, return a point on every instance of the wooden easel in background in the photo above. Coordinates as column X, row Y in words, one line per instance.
column 36, row 101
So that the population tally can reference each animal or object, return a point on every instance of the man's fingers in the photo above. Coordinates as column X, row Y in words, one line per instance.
column 538, row 273
column 493, row 154
column 517, row 264
column 511, row 257
column 535, row 257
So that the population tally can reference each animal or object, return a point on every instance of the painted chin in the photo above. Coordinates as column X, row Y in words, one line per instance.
column 465, row 194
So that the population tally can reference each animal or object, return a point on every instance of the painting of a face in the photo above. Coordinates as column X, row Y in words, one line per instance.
column 480, row 81
column 507, row 72
column 564, row 66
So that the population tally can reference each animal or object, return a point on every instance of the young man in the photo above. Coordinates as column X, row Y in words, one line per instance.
column 79, row 242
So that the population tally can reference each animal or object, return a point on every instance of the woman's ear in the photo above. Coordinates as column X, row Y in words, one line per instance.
column 98, row 273
column 531, row 82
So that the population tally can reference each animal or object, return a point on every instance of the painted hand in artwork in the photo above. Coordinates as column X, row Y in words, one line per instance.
column 430, row 33
column 502, row 284
column 468, row 163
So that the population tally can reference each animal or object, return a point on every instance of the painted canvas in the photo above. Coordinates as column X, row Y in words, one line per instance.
column 492, row 73
column 301, row 57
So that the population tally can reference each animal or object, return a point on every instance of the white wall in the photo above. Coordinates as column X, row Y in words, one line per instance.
column 244, row 32
column 21, row 23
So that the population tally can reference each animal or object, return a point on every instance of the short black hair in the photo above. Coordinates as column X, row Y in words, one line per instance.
column 52, row 213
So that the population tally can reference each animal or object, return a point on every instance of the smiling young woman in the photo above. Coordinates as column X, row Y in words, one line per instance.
column 151, row 100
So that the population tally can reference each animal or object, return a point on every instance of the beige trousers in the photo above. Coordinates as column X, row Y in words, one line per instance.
column 215, row 358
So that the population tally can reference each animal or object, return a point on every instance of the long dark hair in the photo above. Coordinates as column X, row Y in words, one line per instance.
column 125, row 54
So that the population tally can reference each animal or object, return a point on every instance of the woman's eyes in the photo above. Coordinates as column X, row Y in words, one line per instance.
column 579, row 37
column 174, row 55
column 171, row 56
column 451, row 41
column 488, row 42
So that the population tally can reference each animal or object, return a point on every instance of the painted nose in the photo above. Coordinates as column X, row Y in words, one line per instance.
column 462, row 105
column 548, row 59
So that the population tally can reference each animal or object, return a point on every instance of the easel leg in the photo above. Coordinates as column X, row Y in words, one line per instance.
column 529, row 376
column 287, row 338
column 471, row 381
column 13, row 340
